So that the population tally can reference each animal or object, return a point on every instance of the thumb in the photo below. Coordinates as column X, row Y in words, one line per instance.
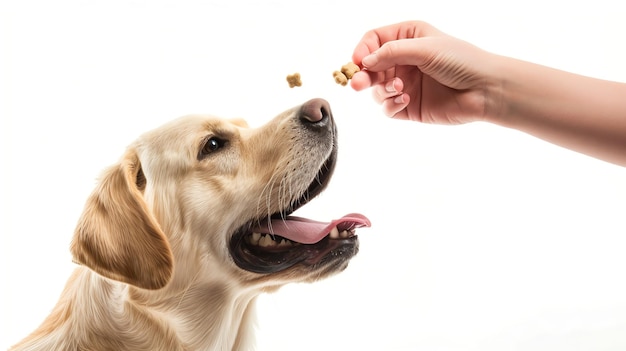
column 414, row 52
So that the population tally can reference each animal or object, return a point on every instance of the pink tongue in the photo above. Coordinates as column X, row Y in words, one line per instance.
column 307, row 231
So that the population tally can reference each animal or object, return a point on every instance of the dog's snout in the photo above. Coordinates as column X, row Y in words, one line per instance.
column 315, row 111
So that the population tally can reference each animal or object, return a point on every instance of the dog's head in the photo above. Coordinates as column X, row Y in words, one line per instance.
column 205, row 195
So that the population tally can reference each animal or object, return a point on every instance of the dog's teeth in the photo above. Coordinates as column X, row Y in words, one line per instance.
column 266, row 241
column 263, row 242
column 334, row 233
column 255, row 238
column 344, row 234
column 285, row 242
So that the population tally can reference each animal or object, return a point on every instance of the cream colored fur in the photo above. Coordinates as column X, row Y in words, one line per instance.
column 154, row 270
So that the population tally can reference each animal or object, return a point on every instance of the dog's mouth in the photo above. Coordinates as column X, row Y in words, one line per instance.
column 282, row 241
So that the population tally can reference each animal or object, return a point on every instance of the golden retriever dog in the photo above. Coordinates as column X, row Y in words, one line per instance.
column 194, row 222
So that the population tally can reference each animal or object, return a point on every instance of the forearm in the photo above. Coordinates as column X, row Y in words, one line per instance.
column 580, row 113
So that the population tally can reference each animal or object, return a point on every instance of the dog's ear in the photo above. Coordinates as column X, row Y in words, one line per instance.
column 117, row 235
column 240, row 122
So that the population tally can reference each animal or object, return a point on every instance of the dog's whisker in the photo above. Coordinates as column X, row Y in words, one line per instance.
column 267, row 195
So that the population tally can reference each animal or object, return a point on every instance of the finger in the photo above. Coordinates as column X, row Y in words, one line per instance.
column 361, row 80
column 365, row 79
column 408, row 52
column 371, row 41
column 365, row 47
column 374, row 39
column 395, row 107
column 388, row 89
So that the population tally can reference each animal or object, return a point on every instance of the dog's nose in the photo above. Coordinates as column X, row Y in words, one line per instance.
column 315, row 111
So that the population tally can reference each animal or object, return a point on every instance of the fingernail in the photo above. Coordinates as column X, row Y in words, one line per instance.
column 370, row 60
column 399, row 99
column 390, row 86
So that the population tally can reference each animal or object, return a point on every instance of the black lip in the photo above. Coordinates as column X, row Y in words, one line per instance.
column 254, row 260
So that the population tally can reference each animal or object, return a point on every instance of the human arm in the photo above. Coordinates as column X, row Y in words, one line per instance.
column 580, row 113
column 419, row 73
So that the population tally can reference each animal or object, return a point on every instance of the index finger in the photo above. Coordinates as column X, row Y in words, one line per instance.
column 374, row 39
column 363, row 49
column 371, row 41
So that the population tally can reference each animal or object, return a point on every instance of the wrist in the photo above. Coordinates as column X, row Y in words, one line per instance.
column 497, row 103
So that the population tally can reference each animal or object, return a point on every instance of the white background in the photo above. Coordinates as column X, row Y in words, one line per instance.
column 483, row 238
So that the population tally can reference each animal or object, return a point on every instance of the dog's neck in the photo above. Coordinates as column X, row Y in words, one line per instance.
column 200, row 318
column 206, row 316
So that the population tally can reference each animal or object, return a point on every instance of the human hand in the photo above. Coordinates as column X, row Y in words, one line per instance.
column 419, row 73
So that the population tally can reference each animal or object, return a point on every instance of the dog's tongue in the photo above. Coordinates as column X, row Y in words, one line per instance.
column 307, row 231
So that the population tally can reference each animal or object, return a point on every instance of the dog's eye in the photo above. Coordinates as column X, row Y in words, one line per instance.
column 211, row 145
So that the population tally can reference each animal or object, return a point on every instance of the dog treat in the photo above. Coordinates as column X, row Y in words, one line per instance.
column 340, row 78
column 294, row 80
column 347, row 71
